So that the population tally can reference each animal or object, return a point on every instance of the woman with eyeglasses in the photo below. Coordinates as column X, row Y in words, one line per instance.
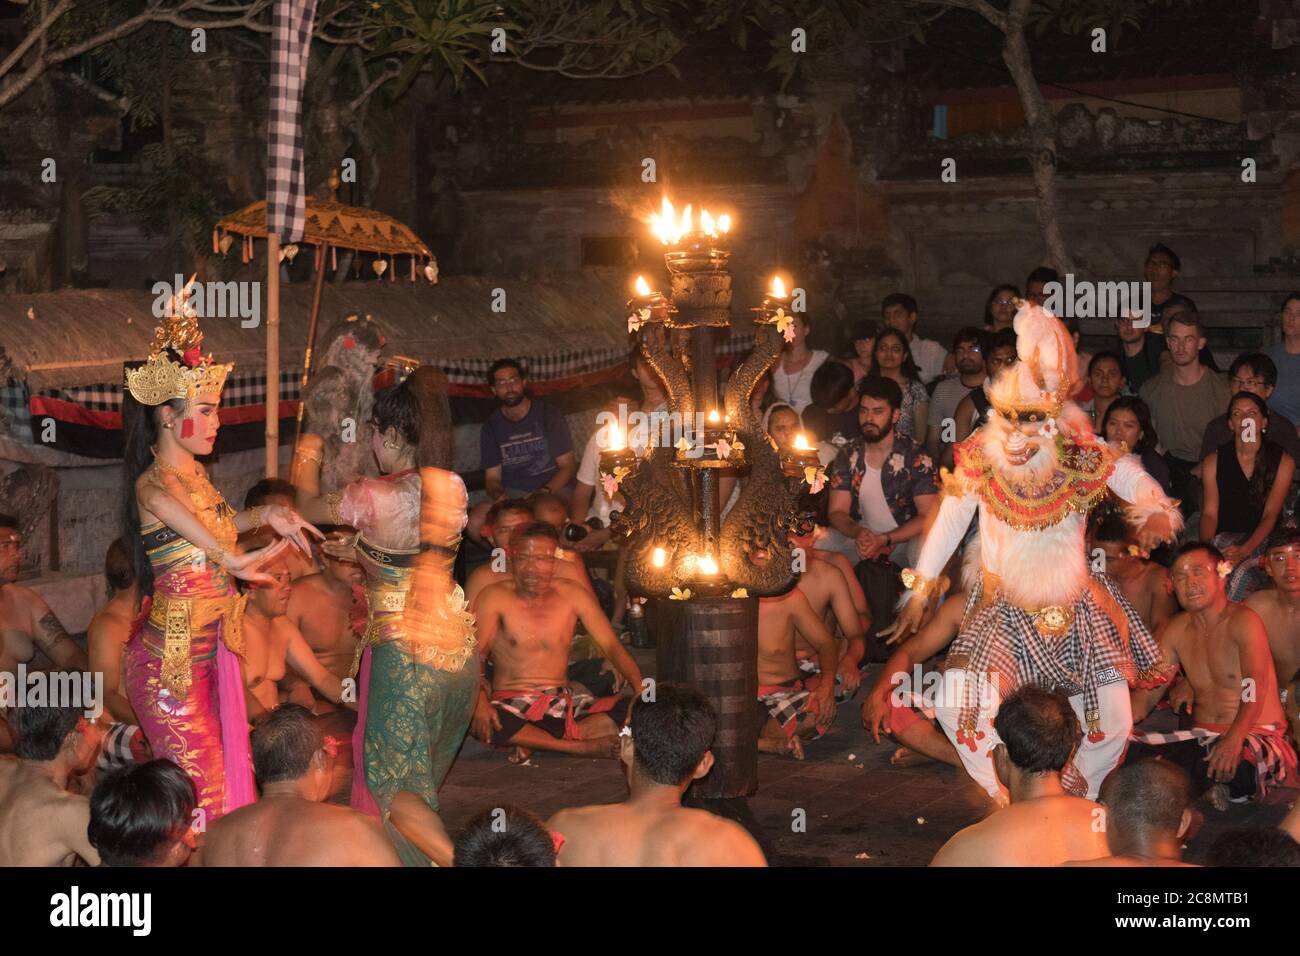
column 1000, row 307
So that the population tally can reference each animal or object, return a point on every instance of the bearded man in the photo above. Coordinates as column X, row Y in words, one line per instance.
column 1036, row 615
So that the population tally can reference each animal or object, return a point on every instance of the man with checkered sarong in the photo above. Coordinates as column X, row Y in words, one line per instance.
column 1237, row 746
column 1036, row 613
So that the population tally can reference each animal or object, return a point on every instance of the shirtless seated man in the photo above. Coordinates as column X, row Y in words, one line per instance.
column 275, row 491
column 791, row 710
column 896, row 706
column 666, row 750
column 1043, row 825
column 525, row 627
column 830, row 596
column 1279, row 608
column 1148, row 812
column 272, row 643
column 1144, row 582
column 503, row 519
column 327, row 608
column 144, row 816
column 43, row 823
column 30, row 633
column 1238, row 746
column 289, row 825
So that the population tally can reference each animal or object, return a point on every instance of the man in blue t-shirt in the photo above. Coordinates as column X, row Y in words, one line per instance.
column 524, row 446
column 1286, row 356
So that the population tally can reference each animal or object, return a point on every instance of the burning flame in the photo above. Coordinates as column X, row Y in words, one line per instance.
column 801, row 443
column 658, row 558
column 778, row 288
column 714, row 416
column 642, row 287
column 706, row 565
column 615, row 442
column 670, row 228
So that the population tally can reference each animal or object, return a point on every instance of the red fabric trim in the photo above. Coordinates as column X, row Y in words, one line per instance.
column 65, row 411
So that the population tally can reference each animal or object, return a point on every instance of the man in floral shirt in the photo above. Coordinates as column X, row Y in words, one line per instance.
column 883, row 484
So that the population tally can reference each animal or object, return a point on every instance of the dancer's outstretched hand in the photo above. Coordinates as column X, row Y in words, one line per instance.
column 244, row 566
column 1155, row 531
column 907, row 623
column 292, row 526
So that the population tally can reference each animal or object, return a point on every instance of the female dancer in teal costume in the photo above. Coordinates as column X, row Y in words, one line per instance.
column 418, row 671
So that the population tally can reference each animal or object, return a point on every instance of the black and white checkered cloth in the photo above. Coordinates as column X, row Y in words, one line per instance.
column 286, row 190
column 1265, row 746
column 13, row 411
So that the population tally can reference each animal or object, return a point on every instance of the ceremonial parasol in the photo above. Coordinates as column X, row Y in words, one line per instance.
column 329, row 226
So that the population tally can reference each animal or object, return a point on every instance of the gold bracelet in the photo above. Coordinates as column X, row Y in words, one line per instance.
column 306, row 454
column 334, row 499
column 919, row 583
column 255, row 515
column 216, row 555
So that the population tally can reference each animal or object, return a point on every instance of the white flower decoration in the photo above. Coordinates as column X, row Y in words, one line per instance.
column 1049, row 429
column 1224, row 568
column 896, row 461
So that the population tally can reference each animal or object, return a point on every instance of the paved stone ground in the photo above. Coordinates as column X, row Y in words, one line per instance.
column 855, row 801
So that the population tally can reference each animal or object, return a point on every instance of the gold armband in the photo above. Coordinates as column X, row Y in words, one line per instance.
column 920, row 584
column 255, row 514
column 306, row 454
column 335, row 499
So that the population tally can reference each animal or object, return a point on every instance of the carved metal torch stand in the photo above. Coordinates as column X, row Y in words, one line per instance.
column 706, row 574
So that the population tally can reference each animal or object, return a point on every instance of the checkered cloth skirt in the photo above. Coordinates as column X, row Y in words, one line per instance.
column 784, row 703
column 1107, row 641
column 1265, row 746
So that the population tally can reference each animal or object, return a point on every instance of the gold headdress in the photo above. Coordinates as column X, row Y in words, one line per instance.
column 161, row 379
column 1036, row 387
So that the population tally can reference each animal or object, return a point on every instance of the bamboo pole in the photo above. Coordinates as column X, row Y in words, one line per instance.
column 272, row 354
column 321, row 251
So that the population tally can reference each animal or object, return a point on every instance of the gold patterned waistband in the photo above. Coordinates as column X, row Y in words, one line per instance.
column 385, row 599
column 178, row 618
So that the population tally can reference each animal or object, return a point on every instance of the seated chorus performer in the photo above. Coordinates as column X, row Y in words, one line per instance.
column 181, row 664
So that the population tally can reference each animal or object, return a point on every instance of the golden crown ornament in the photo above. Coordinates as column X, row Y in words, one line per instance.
column 162, row 379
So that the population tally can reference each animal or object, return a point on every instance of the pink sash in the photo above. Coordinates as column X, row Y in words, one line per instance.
column 362, row 800
column 240, row 789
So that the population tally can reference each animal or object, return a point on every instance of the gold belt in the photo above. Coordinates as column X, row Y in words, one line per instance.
column 178, row 618
column 1052, row 620
column 378, row 601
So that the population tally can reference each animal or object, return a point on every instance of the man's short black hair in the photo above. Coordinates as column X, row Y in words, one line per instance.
column 1146, row 796
column 137, row 813
column 1001, row 339
column 504, row 363
column 1039, row 729
column 283, row 744
column 504, row 836
column 1259, row 363
column 1111, row 526
column 1160, row 248
column 899, row 298
column 506, row 504
column 1106, row 354
column 8, row 521
column 830, row 383
column 537, row 529
column 969, row 334
column 41, row 729
column 118, row 570
column 1043, row 274
column 1254, row 846
column 1283, row 536
column 1291, row 297
column 264, row 489
column 882, row 389
column 672, row 732
column 1191, row 547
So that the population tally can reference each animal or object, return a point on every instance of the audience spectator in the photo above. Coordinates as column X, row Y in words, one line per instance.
column 1286, row 357
column 1000, row 353
column 792, row 375
column 1253, row 372
column 524, row 446
column 1148, row 811
column 882, row 490
column 894, row 361
column 1000, row 307
column 864, row 335
column 505, row 836
column 275, row 491
column 1184, row 398
column 1246, row 481
column 665, row 749
column 1035, row 282
column 1279, row 608
column 782, row 423
column 110, row 629
column 1144, row 583
column 1037, row 733
column 29, row 631
column 1161, row 269
column 968, row 347
column 1254, row 846
column 899, row 312
column 1127, row 419
column 834, row 407
column 1143, row 352
column 1105, row 381
column 143, row 816
column 1082, row 392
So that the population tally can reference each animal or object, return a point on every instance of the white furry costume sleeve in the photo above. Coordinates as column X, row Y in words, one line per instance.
column 1141, row 494
column 945, row 534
